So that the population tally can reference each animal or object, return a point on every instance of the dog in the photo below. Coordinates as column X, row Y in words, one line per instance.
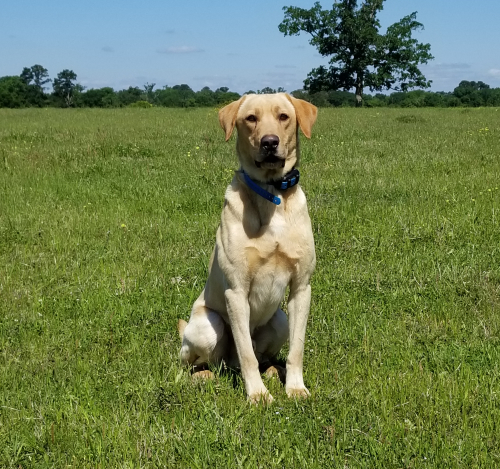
column 264, row 245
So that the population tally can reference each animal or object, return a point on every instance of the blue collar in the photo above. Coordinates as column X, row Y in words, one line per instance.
column 289, row 180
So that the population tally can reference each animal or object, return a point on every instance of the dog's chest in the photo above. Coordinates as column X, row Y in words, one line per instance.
column 275, row 248
column 272, row 259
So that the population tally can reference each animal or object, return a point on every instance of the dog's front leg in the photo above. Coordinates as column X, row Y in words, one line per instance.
column 298, row 310
column 238, row 311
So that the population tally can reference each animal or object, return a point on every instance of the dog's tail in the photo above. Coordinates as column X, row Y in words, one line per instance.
column 181, row 325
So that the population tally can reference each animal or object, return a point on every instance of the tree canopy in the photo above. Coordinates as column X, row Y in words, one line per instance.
column 360, row 56
column 36, row 76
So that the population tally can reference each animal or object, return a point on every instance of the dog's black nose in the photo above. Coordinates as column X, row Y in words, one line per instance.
column 269, row 143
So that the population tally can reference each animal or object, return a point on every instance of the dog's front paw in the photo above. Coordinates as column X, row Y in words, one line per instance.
column 298, row 393
column 264, row 398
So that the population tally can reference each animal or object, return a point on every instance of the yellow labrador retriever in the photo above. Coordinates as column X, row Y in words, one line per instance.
column 264, row 244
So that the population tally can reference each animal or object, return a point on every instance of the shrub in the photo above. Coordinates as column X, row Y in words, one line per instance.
column 143, row 104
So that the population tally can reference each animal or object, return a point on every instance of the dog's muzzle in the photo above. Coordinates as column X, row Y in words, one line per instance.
column 268, row 149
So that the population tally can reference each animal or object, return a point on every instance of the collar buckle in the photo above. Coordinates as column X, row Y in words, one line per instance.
column 289, row 180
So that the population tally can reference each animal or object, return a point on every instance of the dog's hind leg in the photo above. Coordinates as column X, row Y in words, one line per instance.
column 204, row 338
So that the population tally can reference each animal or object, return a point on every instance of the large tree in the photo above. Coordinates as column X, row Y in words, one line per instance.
column 64, row 86
column 36, row 75
column 360, row 56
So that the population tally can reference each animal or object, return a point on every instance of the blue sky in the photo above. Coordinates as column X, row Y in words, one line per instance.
column 223, row 43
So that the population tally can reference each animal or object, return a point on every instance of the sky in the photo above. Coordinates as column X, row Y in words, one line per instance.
column 224, row 43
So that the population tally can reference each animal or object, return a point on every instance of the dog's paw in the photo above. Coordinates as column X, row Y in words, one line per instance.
column 298, row 393
column 202, row 375
column 272, row 372
column 276, row 371
column 264, row 398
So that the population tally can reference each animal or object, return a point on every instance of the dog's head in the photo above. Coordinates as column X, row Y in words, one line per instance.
column 267, row 127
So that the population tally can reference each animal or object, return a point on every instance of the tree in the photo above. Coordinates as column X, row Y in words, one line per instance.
column 27, row 76
column 40, row 76
column 13, row 92
column 100, row 97
column 266, row 90
column 360, row 55
column 176, row 96
column 129, row 96
column 222, row 95
column 64, row 86
column 340, row 98
column 186, row 95
column 37, row 76
column 433, row 100
column 269, row 90
column 149, row 94
column 465, row 88
column 205, row 97
column 320, row 99
column 472, row 93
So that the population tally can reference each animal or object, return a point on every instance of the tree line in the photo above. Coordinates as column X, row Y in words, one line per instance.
column 28, row 90
column 466, row 94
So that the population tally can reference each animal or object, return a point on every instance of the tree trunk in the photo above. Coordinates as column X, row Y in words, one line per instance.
column 359, row 90
column 69, row 99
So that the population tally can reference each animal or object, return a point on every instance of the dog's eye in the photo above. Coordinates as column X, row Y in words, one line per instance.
column 283, row 117
column 251, row 118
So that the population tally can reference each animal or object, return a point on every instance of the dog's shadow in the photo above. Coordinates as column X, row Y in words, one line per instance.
column 271, row 369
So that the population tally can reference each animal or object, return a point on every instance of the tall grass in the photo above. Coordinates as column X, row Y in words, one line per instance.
column 107, row 222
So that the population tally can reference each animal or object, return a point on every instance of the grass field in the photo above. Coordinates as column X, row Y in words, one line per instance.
column 107, row 222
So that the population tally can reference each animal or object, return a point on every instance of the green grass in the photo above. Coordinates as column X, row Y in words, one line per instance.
column 107, row 222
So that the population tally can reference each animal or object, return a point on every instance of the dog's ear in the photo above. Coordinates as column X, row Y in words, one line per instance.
column 181, row 325
column 227, row 116
column 306, row 114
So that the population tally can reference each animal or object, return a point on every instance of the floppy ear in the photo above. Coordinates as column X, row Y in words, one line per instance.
column 306, row 114
column 227, row 116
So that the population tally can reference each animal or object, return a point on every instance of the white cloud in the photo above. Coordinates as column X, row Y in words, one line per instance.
column 180, row 50
column 494, row 72
column 446, row 76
